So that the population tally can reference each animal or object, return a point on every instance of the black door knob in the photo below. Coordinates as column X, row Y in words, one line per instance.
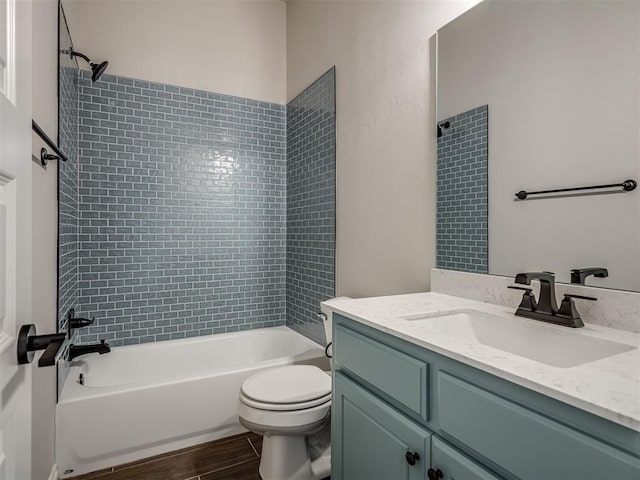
column 434, row 474
column 412, row 458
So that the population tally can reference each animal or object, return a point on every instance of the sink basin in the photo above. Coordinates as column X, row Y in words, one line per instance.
column 555, row 346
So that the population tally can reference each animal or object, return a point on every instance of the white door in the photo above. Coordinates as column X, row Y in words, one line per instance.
column 15, row 235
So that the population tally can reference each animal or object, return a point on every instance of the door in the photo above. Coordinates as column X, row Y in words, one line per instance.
column 15, row 235
column 450, row 464
column 371, row 440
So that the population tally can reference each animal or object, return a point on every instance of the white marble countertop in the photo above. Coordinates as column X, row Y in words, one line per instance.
column 609, row 387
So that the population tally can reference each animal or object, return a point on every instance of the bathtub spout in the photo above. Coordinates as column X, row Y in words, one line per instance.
column 77, row 350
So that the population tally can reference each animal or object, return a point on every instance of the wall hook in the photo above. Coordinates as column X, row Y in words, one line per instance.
column 45, row 157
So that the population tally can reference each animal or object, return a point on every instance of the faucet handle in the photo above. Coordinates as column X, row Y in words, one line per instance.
column 581, row 297
column 81, row 322
column 568, row 308
column 528, row 301
column 74, row 322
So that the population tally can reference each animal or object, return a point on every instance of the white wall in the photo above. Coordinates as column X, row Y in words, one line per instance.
column 225, row 46
column 45, row 220
column 562, row 81
column 385, row 132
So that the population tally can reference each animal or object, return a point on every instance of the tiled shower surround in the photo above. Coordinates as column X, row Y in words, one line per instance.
column 462, row 193
column 182, row 212
column 311, row 170
column 67, row 178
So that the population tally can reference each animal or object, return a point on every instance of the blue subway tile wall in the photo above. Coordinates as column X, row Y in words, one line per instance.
column 68, row 190
column 182, row 198
column 68, row 216
column 311, row 170
column 462, row 193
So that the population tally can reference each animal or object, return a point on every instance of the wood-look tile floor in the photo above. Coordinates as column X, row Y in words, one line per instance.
column 232, row 458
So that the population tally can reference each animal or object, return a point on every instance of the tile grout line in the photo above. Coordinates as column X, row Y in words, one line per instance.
column 222, row 469
column 253, row 448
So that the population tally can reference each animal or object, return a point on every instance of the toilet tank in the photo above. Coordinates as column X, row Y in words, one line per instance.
column 328, row 318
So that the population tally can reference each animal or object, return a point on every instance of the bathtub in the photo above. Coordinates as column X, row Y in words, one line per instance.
column 143, row 400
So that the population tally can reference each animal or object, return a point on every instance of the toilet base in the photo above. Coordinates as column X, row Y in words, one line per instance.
column 286, row 458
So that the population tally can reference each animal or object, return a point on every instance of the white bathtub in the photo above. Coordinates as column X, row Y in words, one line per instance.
column 142, row 400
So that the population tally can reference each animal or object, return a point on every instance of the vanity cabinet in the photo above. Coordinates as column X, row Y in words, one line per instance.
column 401, row 411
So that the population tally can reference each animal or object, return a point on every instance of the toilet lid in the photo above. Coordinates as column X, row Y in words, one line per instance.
column 288, row 385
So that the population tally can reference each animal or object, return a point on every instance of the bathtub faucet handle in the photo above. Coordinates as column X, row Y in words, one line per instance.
column 78, row 322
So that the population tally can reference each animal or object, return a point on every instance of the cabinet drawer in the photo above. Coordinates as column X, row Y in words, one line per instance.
column 398, row 375
column 454, row 465
column 523, row 442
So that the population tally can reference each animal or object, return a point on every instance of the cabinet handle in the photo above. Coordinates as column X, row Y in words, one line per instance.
column 412, row 458
column 434, row 474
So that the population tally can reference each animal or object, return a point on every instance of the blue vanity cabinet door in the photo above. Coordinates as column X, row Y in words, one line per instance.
column 523, row 442
column 454, row 465
column 370, row 439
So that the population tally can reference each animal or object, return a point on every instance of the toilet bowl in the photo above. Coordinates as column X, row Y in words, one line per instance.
column 290, row 406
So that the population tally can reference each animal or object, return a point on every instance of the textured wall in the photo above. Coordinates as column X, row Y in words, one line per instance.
column 386, row 175
column 311, row 169
column 462, row 193
column 229, row 46
column 182, row 211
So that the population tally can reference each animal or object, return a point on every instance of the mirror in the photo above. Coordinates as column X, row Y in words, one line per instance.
column 532, row 96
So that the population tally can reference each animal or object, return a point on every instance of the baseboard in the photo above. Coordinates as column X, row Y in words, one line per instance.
column 54, row 473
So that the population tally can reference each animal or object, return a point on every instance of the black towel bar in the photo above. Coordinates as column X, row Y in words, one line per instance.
column 44, row 155
column 627, row 186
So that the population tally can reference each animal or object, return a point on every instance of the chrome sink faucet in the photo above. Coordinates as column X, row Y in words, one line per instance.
column 546, row 308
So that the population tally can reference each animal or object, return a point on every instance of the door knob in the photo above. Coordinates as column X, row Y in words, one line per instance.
column 434, row 474
column 29, row 342
column 412, row 458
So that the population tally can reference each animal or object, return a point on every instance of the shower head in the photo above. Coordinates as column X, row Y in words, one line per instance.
column 442, row 127
column 97, row 69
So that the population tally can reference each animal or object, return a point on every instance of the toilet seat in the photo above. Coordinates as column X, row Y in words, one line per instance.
column 284, row 407
column 287, row 388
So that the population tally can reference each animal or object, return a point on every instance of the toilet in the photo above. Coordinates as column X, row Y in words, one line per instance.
column 290, row 407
